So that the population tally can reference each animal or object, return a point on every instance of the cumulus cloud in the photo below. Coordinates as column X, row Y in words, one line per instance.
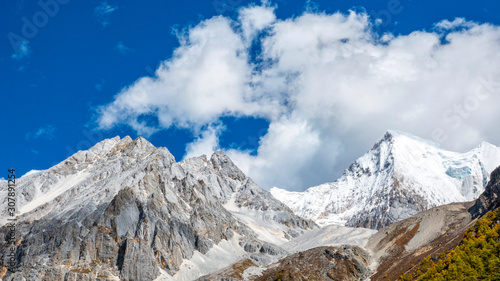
column 328, row 84
column 208, row 76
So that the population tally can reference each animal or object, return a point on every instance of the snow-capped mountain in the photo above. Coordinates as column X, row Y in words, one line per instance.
column 126, row 210
column 399, row 177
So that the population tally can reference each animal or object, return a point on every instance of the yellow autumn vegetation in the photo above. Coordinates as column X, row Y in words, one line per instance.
column 476, row 258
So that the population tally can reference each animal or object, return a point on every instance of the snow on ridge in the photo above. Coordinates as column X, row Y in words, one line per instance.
column 64, row 185
column 32, row 172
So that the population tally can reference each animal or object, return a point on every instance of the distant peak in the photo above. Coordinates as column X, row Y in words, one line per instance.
column 395, row 133
column 104, row 146
column 127, row 139
column 400, row 136
column 143, row 143
column 485, row 144
column 220, row 154
column 220, row 160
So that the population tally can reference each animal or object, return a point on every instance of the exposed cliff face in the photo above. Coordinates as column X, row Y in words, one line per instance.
column 125, row 210
column 400, row 176
column 490, row 199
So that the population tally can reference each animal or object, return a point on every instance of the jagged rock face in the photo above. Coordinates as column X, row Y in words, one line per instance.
column 125, row 210
column 399, row 177
column 322, row 263
column 490, row 199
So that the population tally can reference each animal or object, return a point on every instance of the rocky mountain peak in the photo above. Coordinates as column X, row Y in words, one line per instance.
column 222, row 163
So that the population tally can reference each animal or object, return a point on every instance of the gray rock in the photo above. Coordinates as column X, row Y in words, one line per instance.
column 124, row 210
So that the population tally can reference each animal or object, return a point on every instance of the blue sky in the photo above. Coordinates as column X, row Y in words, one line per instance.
column 65, row 63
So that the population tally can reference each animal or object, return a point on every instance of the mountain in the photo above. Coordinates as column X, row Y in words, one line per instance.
column 400, row 176
column 126, row 210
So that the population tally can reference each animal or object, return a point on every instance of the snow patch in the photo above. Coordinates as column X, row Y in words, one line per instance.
column 333, row 235
column 62, row 186
column 218, row 257
column 261, row 222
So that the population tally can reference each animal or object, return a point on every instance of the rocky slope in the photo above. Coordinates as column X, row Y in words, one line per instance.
column 323, row 263
column 399, row 248
column 490, row 199
column 320, row 264
column 400, row 176
column 125, row 210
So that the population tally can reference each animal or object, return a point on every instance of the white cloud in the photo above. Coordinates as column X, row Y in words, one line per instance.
column 328, row 85
column 208, row 76
column 206, row 144
column 456, row 23
column 42, row 132
column 254, row 19
column 23, row 50
column 103, row 11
